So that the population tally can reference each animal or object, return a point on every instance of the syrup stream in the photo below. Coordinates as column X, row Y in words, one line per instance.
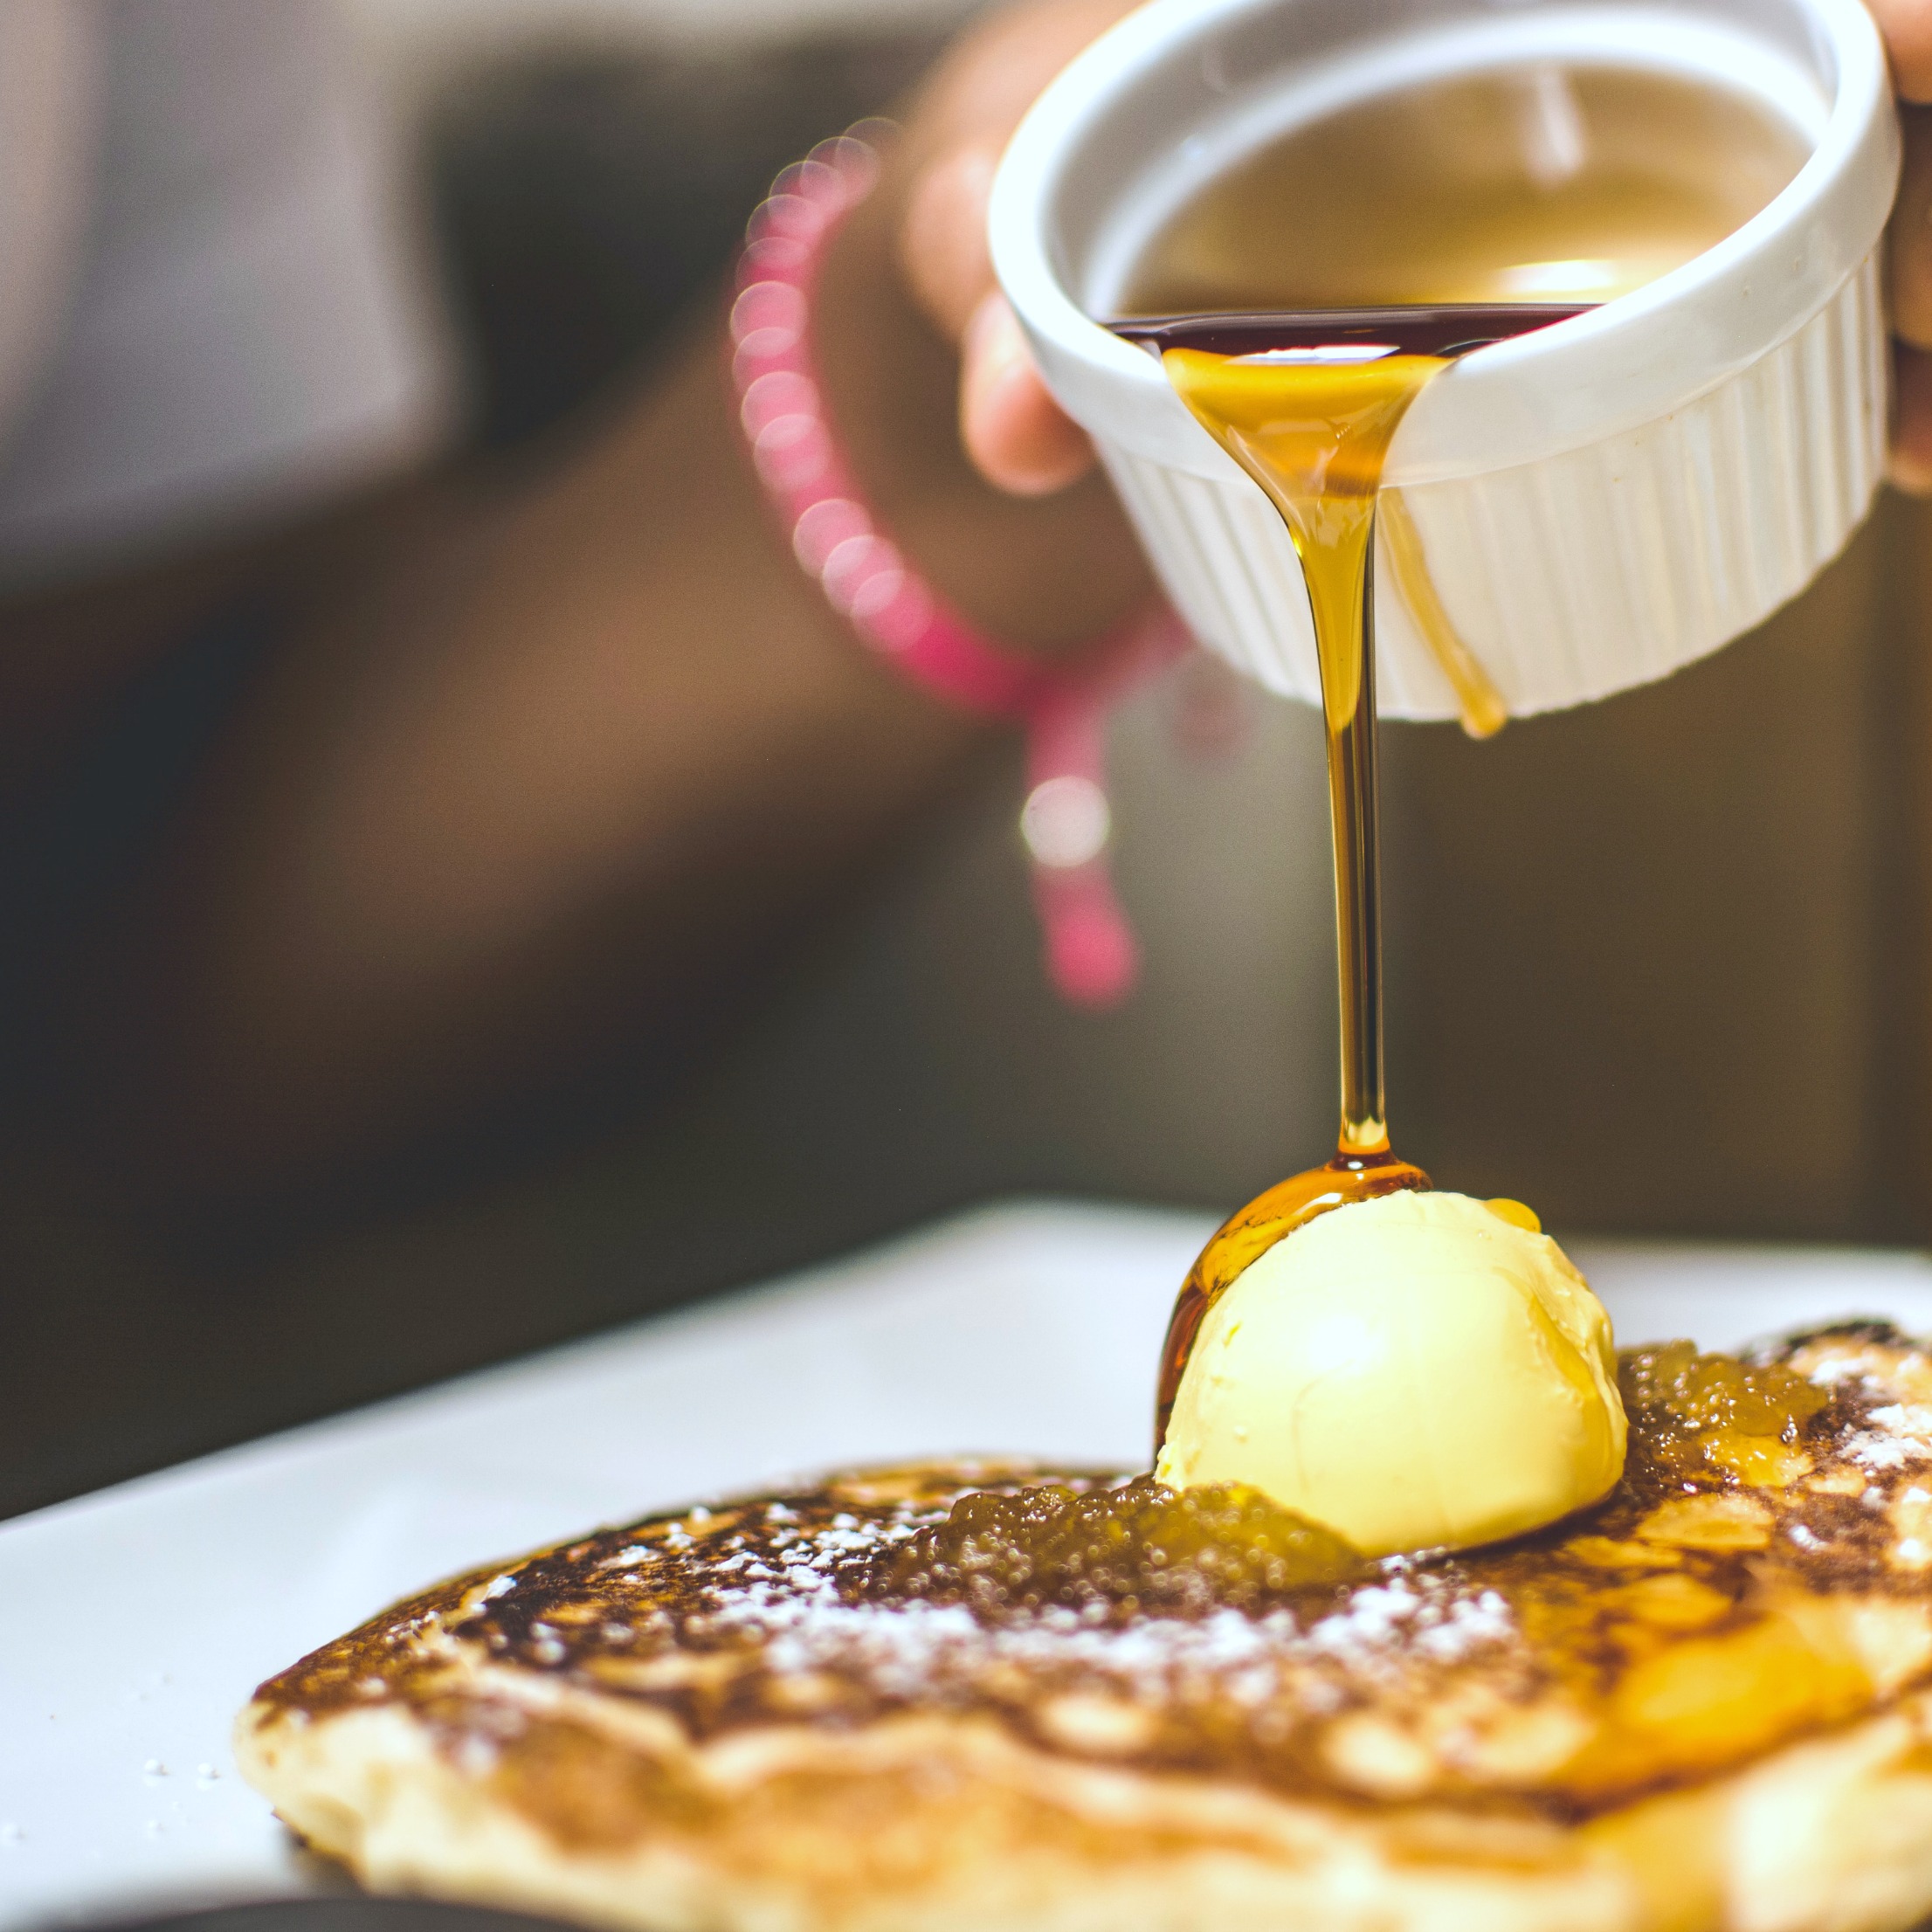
column 1307, row 405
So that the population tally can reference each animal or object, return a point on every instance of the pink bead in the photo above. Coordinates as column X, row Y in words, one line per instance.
column 774, row 258
column 873, row 596
column 791, row 452
column 778, row 393
column 765, row 307
column 790, row 215
column 814, row 182
column 852, row 564
column 877, row 132
column 763, row 350
column 894, row 611
column 855, row 163
column 1065, row 821
column 824, row 526
column 835, row 480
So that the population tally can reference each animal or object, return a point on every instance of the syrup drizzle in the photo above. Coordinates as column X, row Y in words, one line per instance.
column 1307, row 405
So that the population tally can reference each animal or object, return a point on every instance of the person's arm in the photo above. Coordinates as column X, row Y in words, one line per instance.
column 538, row 763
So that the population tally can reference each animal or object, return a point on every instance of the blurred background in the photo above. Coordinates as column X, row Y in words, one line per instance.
column 1656, row 967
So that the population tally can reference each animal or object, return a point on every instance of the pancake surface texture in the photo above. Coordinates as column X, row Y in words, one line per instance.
column 973, row 1696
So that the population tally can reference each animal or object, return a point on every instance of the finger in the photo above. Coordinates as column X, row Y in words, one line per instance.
column 958, row 127
column 1907, row 25
column 1909, row 239
column 1912, row 428
column 942, row 250
column 1016, row 435
column 1013, row 432
column 993, row 75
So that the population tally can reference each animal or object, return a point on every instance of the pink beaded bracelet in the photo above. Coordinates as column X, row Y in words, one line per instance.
column 1090, row 951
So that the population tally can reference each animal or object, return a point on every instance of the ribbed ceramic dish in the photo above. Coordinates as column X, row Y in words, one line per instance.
column 1598, row 503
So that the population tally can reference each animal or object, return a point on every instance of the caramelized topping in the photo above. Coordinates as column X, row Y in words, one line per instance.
column 1690, row 1413
column 1142, row 1546
column 1710, row 1608
column 1688, row 1392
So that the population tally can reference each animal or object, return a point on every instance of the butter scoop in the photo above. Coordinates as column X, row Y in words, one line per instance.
column 1415, row 1372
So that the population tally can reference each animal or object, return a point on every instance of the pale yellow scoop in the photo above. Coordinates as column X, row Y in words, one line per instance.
column 1415, row 1372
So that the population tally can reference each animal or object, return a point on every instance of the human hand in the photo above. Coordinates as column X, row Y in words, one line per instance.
column 1017, row 434
column 963, row 455
column 1014, row 431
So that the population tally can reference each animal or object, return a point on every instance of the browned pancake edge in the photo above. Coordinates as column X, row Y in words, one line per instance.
column 1699, row 1704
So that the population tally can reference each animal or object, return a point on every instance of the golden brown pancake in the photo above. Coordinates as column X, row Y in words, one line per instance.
column 963, row 1697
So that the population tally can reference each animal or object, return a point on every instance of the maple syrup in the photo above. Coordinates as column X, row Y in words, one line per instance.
column 1544, row 181
column 1307, row 405
column 1299, row 303
column 1535, row 182
column 1142, row 1546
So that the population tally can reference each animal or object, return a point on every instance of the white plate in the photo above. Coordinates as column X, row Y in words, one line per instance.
column 133, row 1623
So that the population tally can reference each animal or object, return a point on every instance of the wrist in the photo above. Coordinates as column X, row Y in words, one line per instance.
column 920, row 578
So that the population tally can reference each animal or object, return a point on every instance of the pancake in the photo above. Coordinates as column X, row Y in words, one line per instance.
column 961, row 1696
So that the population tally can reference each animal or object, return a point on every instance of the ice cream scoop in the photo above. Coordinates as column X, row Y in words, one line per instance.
column 1414, row 1372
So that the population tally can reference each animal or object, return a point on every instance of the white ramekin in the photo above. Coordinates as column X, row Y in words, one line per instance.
column 1600, row 502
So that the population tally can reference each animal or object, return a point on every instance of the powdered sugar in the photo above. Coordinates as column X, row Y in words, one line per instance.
column 1872, row 1450
column 1896, row 1435
column 798, row 1607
